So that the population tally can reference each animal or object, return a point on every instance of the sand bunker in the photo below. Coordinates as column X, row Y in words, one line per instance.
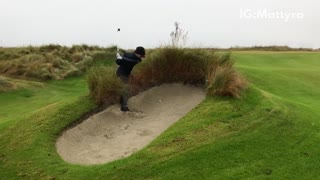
column 112, row 134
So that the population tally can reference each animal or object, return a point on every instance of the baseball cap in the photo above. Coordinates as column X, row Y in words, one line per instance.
column 140, row 50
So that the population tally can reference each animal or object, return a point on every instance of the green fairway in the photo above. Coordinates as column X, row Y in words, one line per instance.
column 271, row 132
column 291, row 76
column 18, row 104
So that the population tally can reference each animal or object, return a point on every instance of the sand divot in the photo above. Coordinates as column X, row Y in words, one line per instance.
column 112, row 134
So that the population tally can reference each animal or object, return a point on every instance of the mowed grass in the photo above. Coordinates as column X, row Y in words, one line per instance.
column 291, row 76
column 16, row 105
column 272, row 132
column 19, row 104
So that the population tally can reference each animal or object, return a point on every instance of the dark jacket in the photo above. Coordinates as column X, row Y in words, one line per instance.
column 126, row 64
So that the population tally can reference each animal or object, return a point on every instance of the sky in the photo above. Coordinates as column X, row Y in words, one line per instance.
column 148, row 23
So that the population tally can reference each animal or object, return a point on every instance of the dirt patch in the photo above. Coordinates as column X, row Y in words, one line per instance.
column 112, row 134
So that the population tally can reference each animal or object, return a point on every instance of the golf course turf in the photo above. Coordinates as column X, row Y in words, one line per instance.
column 272, row 131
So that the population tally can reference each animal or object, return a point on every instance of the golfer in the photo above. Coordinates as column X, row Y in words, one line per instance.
column 126, row 64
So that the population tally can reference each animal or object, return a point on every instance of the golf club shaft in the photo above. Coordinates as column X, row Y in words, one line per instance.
column 118, row 36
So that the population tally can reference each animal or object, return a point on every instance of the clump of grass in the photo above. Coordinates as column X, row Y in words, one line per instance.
column 104, row 85
column 223, row 79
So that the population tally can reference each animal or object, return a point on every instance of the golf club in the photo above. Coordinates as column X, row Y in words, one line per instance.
column 117, row 45
column 118, row 32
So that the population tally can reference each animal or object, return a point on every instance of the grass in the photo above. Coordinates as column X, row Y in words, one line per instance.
column 18, row 104
column 224, row 80
column 104, row 85
column 9, row 84
column 171, row 65
column 269, row 48
column 290, row 76
column 271, row 132
column 50, row 61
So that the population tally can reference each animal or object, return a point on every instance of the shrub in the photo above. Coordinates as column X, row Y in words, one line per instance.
column 178, row 36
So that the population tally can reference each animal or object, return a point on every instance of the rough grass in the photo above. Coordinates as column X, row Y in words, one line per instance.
column 9, row 84
column 223, row 79
column 104, row 85
column 50, row 61
column 168, row 65
column 211, row 70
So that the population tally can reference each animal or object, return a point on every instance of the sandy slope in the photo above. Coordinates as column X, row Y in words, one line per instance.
column 113, row 134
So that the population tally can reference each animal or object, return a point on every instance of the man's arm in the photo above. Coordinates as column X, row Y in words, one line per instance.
column 123, row 59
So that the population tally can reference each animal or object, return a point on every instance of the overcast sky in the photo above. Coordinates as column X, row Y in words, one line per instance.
column 148, row 23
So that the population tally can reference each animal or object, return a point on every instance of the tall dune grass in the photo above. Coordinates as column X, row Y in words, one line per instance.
column 223, row 79
column 198, row 67
column 190, row 66
column 104, row 85
column 50, row 61
column 167, row 65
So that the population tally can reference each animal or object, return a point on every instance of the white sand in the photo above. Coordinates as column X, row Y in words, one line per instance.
column 112, row 134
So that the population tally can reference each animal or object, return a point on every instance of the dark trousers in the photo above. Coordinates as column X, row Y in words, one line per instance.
column 125, row 93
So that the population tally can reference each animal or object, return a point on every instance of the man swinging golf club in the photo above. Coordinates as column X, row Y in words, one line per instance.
column 126, row 64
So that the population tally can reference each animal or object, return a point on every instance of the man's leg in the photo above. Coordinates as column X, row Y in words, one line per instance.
column 125, row 94
column 124, row 98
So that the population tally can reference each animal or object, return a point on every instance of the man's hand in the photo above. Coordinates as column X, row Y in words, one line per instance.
column 119, row 59
column 119, row 56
